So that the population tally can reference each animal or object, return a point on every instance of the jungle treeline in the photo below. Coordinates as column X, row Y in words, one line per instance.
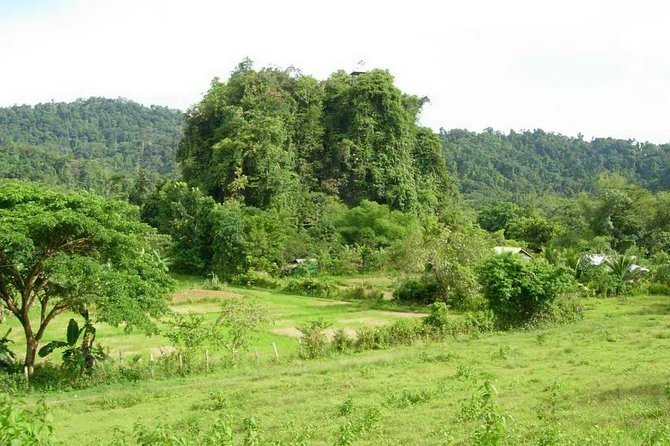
column 273, row 164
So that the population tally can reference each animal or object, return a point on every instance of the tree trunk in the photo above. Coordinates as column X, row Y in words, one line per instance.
column 31, row 352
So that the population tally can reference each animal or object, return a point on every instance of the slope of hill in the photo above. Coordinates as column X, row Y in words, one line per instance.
column 93, row 143
column 535, row 163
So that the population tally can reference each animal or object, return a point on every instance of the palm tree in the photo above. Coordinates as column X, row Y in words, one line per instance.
column 622, row 268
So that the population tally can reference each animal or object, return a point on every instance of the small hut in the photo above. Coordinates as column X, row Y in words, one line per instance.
column 514, row 250
column 301, row 268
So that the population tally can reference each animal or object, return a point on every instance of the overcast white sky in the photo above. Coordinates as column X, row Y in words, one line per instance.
column 601, row 68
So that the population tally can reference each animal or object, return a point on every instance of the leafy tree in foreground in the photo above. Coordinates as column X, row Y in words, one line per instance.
column 76, row 252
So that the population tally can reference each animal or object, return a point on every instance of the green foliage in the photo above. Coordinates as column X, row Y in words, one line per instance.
column 492, row 421
column 497, row 216
column 621, row 267
column 188, row 331
column 76, row 359
column 532, row 163
column 450, row 258
column 233, row 330
column 266, row 137
column 360, row 292
column 314, row 339
column 6, row 355
column 311, row 287
column 97, row 144
column 517, row 291
column 439, row 315
column 21, row 425
column 253, row 278
column 535, row 230
column 76, row 252
column 206, row 236
column 374, row 225
column 241, row 321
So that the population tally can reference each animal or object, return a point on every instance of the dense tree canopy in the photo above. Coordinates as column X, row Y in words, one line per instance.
column 270, row 136
column 493, row 164
column 76, row 252
column 95, row 143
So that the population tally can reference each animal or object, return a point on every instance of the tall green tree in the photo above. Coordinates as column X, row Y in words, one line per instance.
column 268, row 138
column 76, row 252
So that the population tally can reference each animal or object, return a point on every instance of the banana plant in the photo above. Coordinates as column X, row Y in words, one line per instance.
column 79, row 358
column 72, row 336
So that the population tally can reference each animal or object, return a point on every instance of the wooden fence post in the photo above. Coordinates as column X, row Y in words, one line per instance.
column 207, row 360
column 25, row 372
column 120, row 358
column 256, row 355
column 151, row 364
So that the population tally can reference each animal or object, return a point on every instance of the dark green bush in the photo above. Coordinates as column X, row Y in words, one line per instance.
column 360, row 292
column 518, row 291
column 253, row 278
column 425, row 290
column 658, row 289
column 311, row 287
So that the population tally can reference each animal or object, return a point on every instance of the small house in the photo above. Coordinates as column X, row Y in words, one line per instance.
column 301, row 268
column 514, row 250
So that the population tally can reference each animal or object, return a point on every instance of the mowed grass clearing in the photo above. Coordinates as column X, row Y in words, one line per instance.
column 608, row 373
column 286, row 312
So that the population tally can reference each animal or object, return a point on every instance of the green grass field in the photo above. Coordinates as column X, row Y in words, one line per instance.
column 287, row 312
column 604, row 380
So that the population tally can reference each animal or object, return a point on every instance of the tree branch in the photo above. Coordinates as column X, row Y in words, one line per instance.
column 55, row 311
column 9, row 301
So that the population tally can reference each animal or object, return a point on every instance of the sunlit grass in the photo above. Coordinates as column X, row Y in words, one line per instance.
column 611, row 370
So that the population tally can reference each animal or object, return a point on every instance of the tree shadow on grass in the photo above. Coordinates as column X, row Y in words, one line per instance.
column 637, row 392
column 655, row 309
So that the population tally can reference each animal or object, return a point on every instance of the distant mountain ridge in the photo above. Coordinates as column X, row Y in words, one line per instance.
column 494, row 164
column 93, row 143
column 101, row 144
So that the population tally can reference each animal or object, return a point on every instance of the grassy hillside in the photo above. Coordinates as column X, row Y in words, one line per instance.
column 601, row 381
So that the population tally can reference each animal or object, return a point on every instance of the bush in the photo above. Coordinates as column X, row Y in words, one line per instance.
column 346, row 260
column 425, row 290
column 360, row 292
column 564, row 310
column 518, row 291
column 598, row 280
column 438, row 317
column 658, row 289
column 213, row 283
column 314, row 339
column 21, row 425
column 342, row 342
column 311, row 287
column 6, row 355
column 253, row 278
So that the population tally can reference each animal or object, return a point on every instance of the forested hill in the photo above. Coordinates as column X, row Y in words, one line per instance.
column 493, row 164
column 94, row 143
column 102, row 144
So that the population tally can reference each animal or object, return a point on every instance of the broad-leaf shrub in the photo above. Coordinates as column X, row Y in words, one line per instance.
column 517, row 291
column 424, row 290
column 314, row 339
column 21, row 425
